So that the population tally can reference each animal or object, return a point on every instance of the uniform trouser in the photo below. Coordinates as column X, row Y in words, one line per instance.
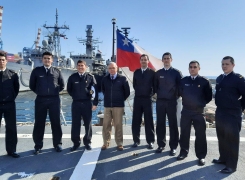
column 84, row 110
column 228, row 127
column 143, row 105
column 42, row 106
column 169, row 108
column 9, row 112
column 197, row 119
column 114, row 114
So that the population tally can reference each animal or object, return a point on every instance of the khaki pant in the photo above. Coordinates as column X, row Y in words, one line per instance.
column 114, row 114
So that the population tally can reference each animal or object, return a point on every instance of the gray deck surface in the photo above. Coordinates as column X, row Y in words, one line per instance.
column 113, row 164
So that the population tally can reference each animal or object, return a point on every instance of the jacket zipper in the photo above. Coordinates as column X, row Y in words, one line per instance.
column 111, row 91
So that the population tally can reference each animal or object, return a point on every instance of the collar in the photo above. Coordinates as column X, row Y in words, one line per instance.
column 115, row 75
column 81, row 74
column 226, row 74
column 166, row 68
column 47, row 67
column 194, row 77
column 3, row 69
column 143, row 69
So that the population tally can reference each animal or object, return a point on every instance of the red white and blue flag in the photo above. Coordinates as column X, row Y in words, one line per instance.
column 128, row 54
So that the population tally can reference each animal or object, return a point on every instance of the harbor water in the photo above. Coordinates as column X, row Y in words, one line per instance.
column 25, row 105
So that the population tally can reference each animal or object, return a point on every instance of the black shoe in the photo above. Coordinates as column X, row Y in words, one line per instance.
column 159, row 149
column 201, row 162
column 227, row 170
column 217, row 161
column 150, row 146
column 36, row 151
column 181, row 157
column 74, row 148
column 135, row 145
column 88, row 147
column 58, row 148
column 14, row 155
column 172, row 152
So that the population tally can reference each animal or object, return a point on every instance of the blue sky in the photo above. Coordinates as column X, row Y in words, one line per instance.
column 203, row 30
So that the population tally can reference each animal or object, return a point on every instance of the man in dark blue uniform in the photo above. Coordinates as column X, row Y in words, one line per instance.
column 143, row 83
column 230, row 102
column 167, row 81
column 81, row 87
column 196, row 92
column 46, row 81
column 9, row 89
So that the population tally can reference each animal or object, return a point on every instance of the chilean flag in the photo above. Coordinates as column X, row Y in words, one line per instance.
column 128, row 54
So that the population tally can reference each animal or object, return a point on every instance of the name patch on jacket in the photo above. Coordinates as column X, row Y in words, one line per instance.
column 187, row 84
column 76, row 82
column 161, row 76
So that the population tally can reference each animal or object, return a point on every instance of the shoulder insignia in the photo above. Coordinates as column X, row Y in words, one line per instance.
column 177, row 70
column 12, row 71
column 239, row 75
column 90, row 74
column 205, row 78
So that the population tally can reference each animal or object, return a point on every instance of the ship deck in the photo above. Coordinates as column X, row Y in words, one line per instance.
column 132, row 163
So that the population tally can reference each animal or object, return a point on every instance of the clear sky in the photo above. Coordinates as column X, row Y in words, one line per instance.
column 203, row 30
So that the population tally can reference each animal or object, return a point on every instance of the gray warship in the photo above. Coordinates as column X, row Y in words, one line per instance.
column 33, row 56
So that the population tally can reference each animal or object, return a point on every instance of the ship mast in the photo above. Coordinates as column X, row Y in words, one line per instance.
column 38, row 38
column 55, row 35
column 90, row 42
column 1, row 17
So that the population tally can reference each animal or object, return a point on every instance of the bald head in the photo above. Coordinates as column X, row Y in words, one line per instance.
column 112, row 68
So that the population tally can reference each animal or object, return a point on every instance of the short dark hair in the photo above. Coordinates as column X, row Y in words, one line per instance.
column 194, row 61
column 3, row 55
column 144, row 55
column 168, row 54
column 47, row 53
column 81, row 61
column 229, row 57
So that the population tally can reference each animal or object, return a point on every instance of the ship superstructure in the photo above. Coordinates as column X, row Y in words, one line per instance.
column 33, row 55
column 93, row 59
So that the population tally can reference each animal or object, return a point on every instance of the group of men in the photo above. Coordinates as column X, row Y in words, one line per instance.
column 196, row 91
column 167, row 83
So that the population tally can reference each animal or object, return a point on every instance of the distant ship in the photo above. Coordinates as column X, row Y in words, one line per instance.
column 33, row 56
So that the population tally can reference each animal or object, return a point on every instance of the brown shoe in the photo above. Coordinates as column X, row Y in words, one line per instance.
column 120, row 148
column 104, row 147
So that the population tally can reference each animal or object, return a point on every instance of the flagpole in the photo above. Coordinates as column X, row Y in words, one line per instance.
column 113, row 40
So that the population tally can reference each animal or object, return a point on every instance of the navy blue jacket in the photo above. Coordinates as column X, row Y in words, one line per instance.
column 143, row 83
column 167, row 83
column 9, row 86
column 115, row 91
column 46, row 84
column 79, row 88
column 195, row 93
column 229, row 90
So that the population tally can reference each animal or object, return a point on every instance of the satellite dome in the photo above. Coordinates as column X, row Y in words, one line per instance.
column 45, row 43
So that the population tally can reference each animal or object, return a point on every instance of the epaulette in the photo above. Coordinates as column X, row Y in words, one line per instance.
column 205, row 78
column 177, row 70
column 12, row 71
column 239, row 75
column 56, row 68
column 90, row 74
column 184, row 77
